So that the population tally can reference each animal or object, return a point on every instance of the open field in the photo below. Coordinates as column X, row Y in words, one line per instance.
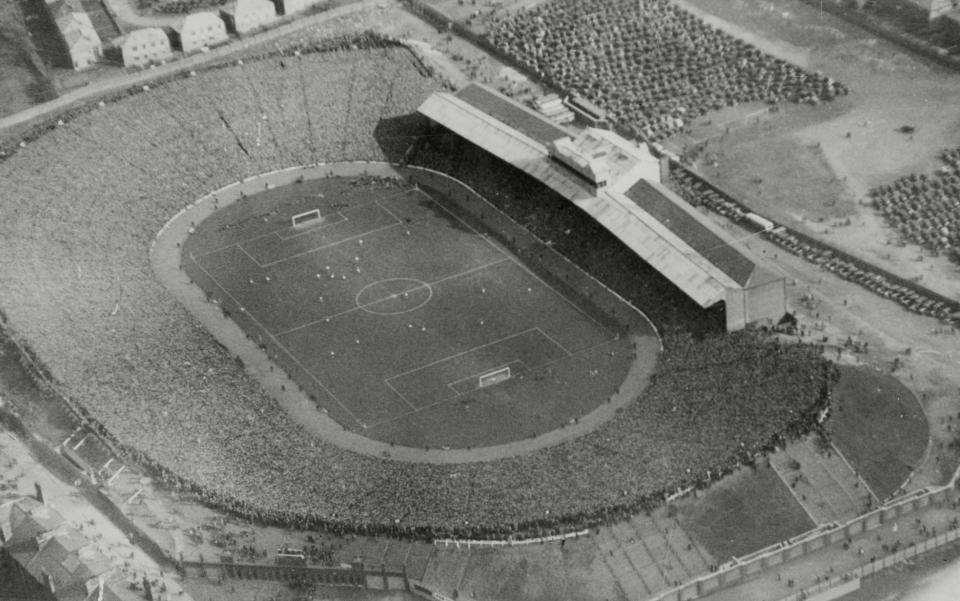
column 390, row 308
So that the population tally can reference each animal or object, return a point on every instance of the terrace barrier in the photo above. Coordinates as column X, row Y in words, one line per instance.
column 539, row 540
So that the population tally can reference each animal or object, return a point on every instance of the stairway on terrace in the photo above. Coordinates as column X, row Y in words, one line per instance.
column 822, row 482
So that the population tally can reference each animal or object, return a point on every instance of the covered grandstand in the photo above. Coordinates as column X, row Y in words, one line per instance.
column 617, row 183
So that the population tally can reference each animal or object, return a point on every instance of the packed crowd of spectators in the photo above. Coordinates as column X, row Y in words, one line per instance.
column 650, row 64
column 79, row 290
column 905, row 198
column 924, row 208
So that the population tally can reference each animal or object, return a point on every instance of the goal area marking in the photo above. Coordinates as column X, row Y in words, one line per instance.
column 306, row 218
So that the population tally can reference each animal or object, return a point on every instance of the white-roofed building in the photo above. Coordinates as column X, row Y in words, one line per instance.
column 247, row 15
column 82, row 41
column 199, row 30
column 142, row 47
column 618, row 185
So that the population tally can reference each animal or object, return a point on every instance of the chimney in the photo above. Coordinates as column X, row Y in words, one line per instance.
column 36, row 485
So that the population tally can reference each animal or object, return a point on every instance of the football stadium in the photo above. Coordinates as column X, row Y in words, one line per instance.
column 437, row 271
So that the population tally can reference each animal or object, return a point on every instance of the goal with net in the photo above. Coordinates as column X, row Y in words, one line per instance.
column 494, row 377
column 306, row 218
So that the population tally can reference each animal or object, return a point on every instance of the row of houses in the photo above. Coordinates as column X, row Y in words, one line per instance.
column 44, row 558
column 150, row 45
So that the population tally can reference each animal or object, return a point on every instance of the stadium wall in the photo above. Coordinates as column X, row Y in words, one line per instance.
column 755, row 304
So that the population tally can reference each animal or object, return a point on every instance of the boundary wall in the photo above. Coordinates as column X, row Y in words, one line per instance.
column 839, row 583
column 742, row 569
column 356, row 576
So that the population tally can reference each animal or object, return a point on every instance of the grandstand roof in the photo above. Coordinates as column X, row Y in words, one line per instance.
column 686, row 223
column 512, row 113
column 510, row 145
column 657, row 225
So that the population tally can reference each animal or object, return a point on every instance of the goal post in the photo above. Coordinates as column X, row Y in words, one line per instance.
column 306, row 218
column 494, row 377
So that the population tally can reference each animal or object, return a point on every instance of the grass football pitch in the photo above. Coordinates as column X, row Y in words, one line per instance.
column 389, row 308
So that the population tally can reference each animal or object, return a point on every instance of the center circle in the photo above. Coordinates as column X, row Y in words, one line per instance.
column 394, row 296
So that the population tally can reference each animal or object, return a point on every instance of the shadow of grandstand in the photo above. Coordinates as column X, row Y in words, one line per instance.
column 397, row 136
column 411, row 139
column 44, row 33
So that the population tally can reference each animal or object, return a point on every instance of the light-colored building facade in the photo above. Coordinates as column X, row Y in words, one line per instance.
column 247, row 15
column 200, row 30
column 142, row 47
column 83, row 43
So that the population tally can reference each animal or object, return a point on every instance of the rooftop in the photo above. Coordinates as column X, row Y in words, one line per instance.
column 657, row 201
column 526, row 121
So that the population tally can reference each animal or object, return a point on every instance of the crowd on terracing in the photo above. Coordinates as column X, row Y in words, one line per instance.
column 79, row 290
column 650, row 64
column 925, row 208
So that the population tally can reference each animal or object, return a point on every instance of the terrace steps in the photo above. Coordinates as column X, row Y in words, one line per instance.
column 685, row 554
column 824, row 484
column 616, row 558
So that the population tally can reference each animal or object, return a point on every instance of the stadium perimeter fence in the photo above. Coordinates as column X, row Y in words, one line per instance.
column 744, row 568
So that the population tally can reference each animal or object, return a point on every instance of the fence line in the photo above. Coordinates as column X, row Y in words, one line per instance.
column 877, row 565
column 741, row 569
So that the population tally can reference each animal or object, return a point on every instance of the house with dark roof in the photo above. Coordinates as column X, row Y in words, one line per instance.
column 44, row 558
column 80, row 36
